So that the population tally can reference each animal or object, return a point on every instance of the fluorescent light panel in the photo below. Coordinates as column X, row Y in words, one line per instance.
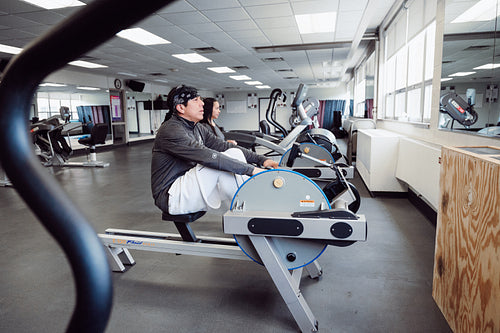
column 263, row 87
column 88, row 88
column 446, row 79
column 127, row 74
column 10, row 49
column 488, row 66
column 240, row 77
column 86, row 64
column 141, row 36
column 53, row 4
column 253, row 83
column 316, row 23
column 462, row 73
column 192, row 57
column 484, row 10
column 50, row 84
column 220, row 70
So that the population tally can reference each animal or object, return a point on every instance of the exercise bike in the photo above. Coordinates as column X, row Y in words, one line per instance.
column 279, row 219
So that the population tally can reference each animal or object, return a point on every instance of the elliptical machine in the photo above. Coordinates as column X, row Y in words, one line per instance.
column 50, row 145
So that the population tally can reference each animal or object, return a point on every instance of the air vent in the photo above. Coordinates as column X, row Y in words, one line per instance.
column 477, row 48
column 291, row 77
column 232, row 88
column 448, row 61
column 157, row 74
column 275, row 59
column 205, row 50
column 238, row 68
column 284, row 70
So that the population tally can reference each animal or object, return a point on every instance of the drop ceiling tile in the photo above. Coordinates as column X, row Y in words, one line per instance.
column 349, row 5
column 182, row 18
column 276, row 22
column 214, row 4
column 281, row 36
column 324, row 37
column 237, row 25
column 9, row 34
column 261, row 2
column 230, row 14
column 316, row 6
column 154, row 21
column 16, row 21
column 176, row 7
column 202, row 27
column 43, row 17
column 276, row 10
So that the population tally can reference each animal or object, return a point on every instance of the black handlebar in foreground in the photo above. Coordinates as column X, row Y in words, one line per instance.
column 76, row 35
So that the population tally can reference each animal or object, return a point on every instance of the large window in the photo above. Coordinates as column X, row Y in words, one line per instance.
column 409, row 63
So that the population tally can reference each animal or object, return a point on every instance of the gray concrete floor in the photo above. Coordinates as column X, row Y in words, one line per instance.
column 381, row 285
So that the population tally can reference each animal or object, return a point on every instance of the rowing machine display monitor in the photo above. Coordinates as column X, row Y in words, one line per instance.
column 458, row 109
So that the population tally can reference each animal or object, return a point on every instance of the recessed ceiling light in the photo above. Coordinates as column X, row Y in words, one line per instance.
column 462, row 73
column 87, row 88
column 53, row 4
column 253, row 83
column 127, row 74
column 86, row 64
column 50, row 84
column 141, row 36
column 10, row 49
column 484, row 10
column 240, row 77
column 316, row 23
column 263, row 87
column 488, row 66
column 192, row 57
column 221, row 69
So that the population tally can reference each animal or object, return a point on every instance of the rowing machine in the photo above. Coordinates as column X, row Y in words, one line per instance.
column 279, row 218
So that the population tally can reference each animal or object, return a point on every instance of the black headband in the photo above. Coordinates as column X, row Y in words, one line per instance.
column 183, row 94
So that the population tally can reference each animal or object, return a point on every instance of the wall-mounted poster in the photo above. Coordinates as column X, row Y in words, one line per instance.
column 116, row 108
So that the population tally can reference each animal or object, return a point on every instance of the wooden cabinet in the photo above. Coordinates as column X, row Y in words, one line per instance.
column 466, row 281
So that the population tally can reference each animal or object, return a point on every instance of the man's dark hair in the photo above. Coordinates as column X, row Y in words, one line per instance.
column 180, row 95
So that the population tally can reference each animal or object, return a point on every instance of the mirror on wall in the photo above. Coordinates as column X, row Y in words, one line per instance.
column 470, row 76
column 80, row 105
column 139, row 109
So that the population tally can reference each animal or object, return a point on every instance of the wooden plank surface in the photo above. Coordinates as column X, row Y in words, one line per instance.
column 466, row 281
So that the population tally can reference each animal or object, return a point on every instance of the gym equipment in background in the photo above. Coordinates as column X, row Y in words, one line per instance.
column 52, row 147
column 458, row 109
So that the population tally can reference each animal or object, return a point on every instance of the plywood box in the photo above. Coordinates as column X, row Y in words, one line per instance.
column 466, row 281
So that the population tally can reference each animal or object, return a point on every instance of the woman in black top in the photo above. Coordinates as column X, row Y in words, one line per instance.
column 211, row 111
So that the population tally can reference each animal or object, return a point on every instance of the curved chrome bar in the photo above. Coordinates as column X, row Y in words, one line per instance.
column 83, row 31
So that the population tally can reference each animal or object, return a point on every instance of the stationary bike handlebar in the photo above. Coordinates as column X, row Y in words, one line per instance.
column 86, row 29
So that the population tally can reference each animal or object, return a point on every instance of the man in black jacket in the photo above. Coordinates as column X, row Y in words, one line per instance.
column 191, row 168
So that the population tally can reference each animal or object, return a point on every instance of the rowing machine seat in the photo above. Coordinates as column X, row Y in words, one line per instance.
column 182, row 224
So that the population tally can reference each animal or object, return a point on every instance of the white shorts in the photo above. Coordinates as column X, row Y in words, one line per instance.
column 203, row 188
